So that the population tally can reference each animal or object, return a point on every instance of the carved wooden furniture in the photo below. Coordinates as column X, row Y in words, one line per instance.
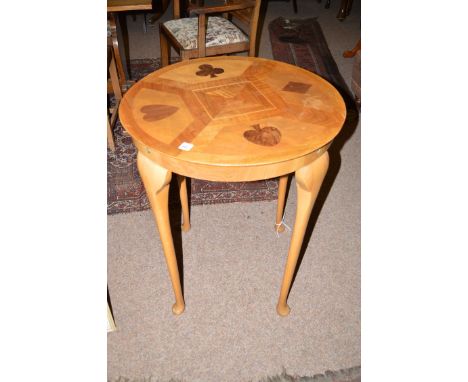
column 110, row 318
column 112, row 111
column 356, row 76
column 352, row 52
column 345, row 9
column 208, row 34
column 294, row 4
column 327, row 4
column 113, row 8
column 232, row 118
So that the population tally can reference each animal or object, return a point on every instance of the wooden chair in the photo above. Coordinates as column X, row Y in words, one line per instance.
column 113, row 41
column 112, row 112
column 210, row 35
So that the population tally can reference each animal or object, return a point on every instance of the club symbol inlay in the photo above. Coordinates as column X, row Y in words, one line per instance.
column 208, row 70
column 264, row 136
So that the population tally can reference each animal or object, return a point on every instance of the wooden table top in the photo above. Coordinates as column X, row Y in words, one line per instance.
column 128, row 5
column 232, row 111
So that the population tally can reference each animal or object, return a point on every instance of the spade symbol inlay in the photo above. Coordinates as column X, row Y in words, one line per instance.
column 264, row 136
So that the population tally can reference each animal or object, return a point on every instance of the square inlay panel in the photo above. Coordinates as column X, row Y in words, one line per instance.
column 227, row 101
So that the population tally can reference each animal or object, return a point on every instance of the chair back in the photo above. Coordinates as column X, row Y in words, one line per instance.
column 249, row 18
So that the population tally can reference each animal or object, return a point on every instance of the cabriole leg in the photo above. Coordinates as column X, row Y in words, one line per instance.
column 308, row 181
column 156, row 180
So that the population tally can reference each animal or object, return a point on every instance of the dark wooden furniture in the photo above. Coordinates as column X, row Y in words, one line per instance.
column 294, row 4
column 327, row 4
column 351, row 53
column 113, row 9
column 356, row 76
column 112, row 111
column 211, row 35
column 345, row 8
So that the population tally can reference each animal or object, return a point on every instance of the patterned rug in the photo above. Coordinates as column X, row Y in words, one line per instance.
column 301, row 42
column 298, row 42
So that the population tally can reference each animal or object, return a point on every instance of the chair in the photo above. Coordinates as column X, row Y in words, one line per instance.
column 112, row 112
column 210, row 35
column 113, row 41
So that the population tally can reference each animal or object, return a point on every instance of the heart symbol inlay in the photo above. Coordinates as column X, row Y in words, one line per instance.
column 264, row 136
column 156, row 112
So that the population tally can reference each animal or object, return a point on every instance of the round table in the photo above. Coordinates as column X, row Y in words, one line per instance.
column 232, row 119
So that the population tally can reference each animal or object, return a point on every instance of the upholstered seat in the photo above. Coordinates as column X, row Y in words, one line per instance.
column 208, row 34
column 219, row 31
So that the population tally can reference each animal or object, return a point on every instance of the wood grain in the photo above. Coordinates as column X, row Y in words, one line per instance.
column 128, row 5
column 263, row 136
column 214, row 113
column 156, row 112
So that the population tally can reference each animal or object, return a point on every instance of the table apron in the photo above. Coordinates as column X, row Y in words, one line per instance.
column 218, row 173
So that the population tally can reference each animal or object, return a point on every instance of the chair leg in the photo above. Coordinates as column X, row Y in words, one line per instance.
column 352, row 53
column 110, row 138
column 115, row 79
column 183, row 55
column 165, row 48
column 348, row 7
column 115, row 46
column 342, row 11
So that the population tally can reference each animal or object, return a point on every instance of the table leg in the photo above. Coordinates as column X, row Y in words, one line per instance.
column 156, row 180
column 308, row 181
column 283, row 182
column 182, row 181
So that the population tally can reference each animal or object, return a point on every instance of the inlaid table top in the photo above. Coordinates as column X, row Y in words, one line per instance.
column 232, row 111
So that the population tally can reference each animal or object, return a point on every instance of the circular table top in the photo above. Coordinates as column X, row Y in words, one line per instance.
column 232, row 111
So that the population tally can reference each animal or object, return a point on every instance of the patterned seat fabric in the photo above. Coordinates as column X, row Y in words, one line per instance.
column 219, row 31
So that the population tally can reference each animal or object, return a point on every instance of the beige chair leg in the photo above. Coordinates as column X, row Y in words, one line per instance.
column 156, row 180
column 115, row 79
column 110, row 137
column 182, row 181
column 283, row 182
column 308, row 181
column 115, row 44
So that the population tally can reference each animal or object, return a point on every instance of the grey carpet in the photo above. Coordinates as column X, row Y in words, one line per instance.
column 233, row 264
